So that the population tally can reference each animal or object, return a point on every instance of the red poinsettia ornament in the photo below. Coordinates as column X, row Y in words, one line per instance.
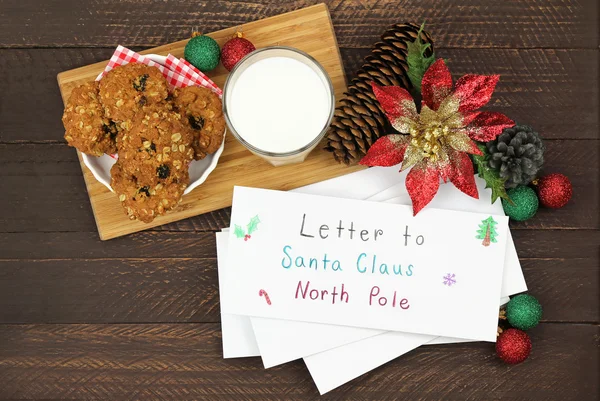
column 441, row 135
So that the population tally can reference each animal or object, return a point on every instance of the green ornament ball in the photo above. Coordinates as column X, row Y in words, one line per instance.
column 525, row 203
column 523, row 312
column 203, row 52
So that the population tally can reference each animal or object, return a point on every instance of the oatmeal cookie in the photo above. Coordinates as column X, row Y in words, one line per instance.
column 158, row 146
column 142, row 200
column 86, row 127
column 126, row 89
column 152, row 170
column 203, row 113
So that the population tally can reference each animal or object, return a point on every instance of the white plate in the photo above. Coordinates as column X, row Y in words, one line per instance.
column 198, row 169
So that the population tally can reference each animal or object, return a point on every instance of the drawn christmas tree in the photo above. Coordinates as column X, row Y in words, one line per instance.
column 487, row 231
column 251, row 227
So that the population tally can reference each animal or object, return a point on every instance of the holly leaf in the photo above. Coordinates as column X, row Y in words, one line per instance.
column 417, row 62
column 239, row 232
column 491, row 176
column 253, row 224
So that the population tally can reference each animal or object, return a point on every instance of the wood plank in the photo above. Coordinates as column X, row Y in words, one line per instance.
column 473, row 24
column 538, row 244
column 86, row 245
column 32, row 72
column 308, row 29
column 540, row 87
column 169, row 289
column 109, row 290
column 563, row 285
column 48, row 178
column 184, row 362
column 560, row 244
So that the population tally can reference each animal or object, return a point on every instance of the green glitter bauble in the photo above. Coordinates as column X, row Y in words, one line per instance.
column 203, row 52
column 523, row 312
column 525, row 203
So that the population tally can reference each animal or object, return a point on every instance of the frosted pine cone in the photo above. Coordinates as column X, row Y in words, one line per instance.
column 517, row 154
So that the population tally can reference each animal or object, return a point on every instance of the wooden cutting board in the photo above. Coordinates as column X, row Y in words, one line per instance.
column 308, row 29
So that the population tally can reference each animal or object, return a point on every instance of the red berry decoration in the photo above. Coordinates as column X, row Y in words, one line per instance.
column 234, row 50
column 513, row 346
column 554, row 190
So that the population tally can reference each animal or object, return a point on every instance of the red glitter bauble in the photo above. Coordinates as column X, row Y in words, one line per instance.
column 234, row 50
column 554, row 190
column 513, row 346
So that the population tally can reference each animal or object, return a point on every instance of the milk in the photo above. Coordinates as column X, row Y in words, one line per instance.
column 279, row 104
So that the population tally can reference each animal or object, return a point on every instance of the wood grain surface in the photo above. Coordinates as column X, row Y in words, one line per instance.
column 138, row 317
column 183, row 361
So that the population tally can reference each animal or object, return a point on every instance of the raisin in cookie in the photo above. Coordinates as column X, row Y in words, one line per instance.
column 158, row 146
column 126, row 89
column 203, row 113
column 143, row 201
column 87, row 129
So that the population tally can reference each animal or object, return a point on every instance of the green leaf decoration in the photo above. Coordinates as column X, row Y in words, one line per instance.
column 253, row 225
column 491, row 176
column 417, row 62
column 239, row 232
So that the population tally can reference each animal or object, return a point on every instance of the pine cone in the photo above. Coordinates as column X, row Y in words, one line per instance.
column 517, row 154
column 359, row 120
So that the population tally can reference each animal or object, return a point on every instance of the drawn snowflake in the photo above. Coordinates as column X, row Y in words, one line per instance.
column 449, row 279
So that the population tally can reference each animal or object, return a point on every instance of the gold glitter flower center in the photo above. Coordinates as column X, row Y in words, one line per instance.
column 428, row 136
column 434, row 132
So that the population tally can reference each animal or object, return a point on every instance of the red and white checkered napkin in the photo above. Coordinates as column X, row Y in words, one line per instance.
column 123, row 56
column 190, row 74
column 178, row 72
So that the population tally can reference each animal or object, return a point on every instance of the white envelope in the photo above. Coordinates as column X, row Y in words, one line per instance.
column 268, row 332
column 325, row 377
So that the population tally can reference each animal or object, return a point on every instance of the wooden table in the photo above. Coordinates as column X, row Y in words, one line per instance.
column 138, row 317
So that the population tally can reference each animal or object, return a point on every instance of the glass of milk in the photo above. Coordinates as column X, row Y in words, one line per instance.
column 278, row 102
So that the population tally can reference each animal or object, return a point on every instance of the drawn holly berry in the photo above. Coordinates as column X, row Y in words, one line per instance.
column 487, row 231
column 251, row 227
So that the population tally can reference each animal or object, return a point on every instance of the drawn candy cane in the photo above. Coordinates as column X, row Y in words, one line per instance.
column 264, row 293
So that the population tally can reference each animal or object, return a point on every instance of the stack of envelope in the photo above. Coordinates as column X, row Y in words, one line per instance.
column 342, row 352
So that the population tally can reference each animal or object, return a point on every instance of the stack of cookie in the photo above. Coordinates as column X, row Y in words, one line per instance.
column 156, row 134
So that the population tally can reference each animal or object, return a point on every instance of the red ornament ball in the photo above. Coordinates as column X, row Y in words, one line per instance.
column 554, row 190
column 513, row 346
column 234, row 50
